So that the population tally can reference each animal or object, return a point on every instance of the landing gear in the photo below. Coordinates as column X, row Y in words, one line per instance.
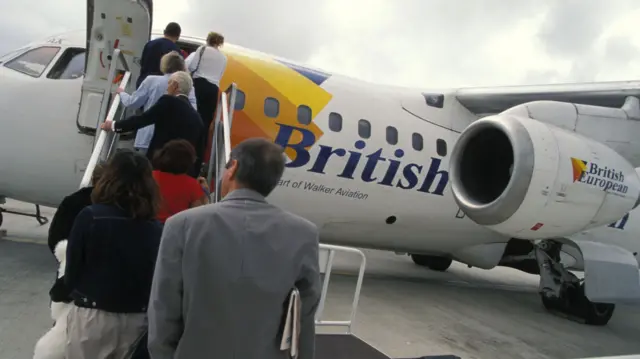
column 560, row 290
column 435, row 263
column 38, row 215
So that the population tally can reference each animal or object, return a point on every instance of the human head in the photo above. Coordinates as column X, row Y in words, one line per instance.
column 98, row 170
column 255, row 164
column 215, row 39
column 177, row 157
column 127, row 182
column 172, row 62
column 180, row 83
column 172, row 31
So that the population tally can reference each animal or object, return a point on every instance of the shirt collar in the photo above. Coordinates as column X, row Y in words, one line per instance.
column 244, row 194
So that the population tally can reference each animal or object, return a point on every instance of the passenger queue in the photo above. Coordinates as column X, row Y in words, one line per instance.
column 155, row 271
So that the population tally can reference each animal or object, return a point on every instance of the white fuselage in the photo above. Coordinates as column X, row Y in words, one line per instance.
column 43, row 155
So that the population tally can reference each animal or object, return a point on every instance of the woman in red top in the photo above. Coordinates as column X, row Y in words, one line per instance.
column 179, row 191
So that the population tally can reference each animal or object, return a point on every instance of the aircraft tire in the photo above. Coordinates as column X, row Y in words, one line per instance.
column 597, row 314
column 435, row 263
column 577, row 304
column 549, row 303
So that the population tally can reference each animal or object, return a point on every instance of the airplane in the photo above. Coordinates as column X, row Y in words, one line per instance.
column 544, row 179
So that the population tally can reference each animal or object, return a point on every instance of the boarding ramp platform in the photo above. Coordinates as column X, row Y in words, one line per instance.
column 341, row 342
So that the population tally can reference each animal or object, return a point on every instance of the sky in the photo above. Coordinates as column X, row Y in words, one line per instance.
column 412, row 43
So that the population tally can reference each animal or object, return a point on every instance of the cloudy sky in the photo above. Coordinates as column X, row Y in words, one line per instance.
column 423, row 43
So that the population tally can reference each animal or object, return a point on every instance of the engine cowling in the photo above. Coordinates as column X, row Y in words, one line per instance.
column 531, row 180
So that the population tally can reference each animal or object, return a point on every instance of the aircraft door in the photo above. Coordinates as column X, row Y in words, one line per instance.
column 112, row 24
column 220, row 152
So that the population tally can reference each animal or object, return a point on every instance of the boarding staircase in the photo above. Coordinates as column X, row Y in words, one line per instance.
column 106, row 143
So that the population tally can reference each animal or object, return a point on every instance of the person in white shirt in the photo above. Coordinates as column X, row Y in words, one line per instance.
column 207, row 65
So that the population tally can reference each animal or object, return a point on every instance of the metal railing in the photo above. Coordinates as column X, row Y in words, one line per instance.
column 105, row 143
column 221, row 133
column 327, row 254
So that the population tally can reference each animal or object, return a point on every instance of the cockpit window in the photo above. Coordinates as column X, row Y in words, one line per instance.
column 11, row 54
column 69, row 66
column 34, row 61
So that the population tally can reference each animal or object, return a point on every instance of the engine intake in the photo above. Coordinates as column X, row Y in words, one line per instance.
column 531, row 180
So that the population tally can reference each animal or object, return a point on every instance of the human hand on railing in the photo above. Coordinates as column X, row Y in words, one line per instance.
column 107, row 125
column 119, row 90
column 203, row 182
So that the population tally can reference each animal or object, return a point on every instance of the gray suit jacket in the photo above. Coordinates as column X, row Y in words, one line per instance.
column 222, row 279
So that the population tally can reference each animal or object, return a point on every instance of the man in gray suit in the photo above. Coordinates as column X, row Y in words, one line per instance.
column 224, row 271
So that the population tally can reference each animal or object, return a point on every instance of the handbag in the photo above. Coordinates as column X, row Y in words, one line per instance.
column 200, row 52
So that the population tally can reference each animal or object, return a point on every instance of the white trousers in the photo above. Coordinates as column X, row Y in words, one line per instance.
column 96, row 334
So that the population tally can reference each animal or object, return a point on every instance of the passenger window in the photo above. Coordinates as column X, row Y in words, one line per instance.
column 392, row 135
column 271, row 107
column 335, row 122
column 304, row 115
column 364, row 129
column 441, row 147
column 240, row 100
column 417, row 141
column 69, row 66
column 33, row 62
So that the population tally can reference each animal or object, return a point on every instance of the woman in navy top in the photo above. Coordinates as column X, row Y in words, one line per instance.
column 111, row 257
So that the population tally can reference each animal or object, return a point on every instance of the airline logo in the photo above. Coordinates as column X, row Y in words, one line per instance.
column 293, row 86
column 284, row 88
column 605, row 178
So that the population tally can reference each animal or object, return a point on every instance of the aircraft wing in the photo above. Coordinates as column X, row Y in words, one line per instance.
column 491, row 100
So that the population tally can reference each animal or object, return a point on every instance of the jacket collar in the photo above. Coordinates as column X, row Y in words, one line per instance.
column 244, row 194
column 183, row 97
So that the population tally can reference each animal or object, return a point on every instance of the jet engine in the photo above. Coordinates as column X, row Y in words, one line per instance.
column 531, row 180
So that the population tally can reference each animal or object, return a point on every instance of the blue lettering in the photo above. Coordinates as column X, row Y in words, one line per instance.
column 352, row 162
column 302, row 155
column 410, row 176
column 323, row 158
column 431, row 176
column 371, row 165
column 392, row 170
column 410, row 172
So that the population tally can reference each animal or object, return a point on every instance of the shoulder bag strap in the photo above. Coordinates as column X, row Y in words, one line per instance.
column 199, row 59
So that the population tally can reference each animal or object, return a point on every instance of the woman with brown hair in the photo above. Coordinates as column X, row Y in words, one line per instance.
column 178, row 190
column 207, row 65
column 111, row 255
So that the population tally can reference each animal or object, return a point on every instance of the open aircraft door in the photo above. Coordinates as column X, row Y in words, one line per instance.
column 117, row 31
column 221, row 142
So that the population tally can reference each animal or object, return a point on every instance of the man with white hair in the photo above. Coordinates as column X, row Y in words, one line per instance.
column 174, row 118
column 150, row 91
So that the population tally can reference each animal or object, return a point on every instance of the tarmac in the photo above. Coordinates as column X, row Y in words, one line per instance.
column 404, row 310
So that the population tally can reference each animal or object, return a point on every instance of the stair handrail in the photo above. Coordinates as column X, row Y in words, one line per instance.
column 118, row 57
column 232, row 92
column 98, row 153
column 214, row 139
column 226, row 127
column 224, row 114
column 226, row 137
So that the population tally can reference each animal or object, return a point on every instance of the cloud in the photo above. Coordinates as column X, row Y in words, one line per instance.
column 427, row 44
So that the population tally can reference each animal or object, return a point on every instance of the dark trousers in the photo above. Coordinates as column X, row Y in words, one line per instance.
column 206, row 99
column 207, row 102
